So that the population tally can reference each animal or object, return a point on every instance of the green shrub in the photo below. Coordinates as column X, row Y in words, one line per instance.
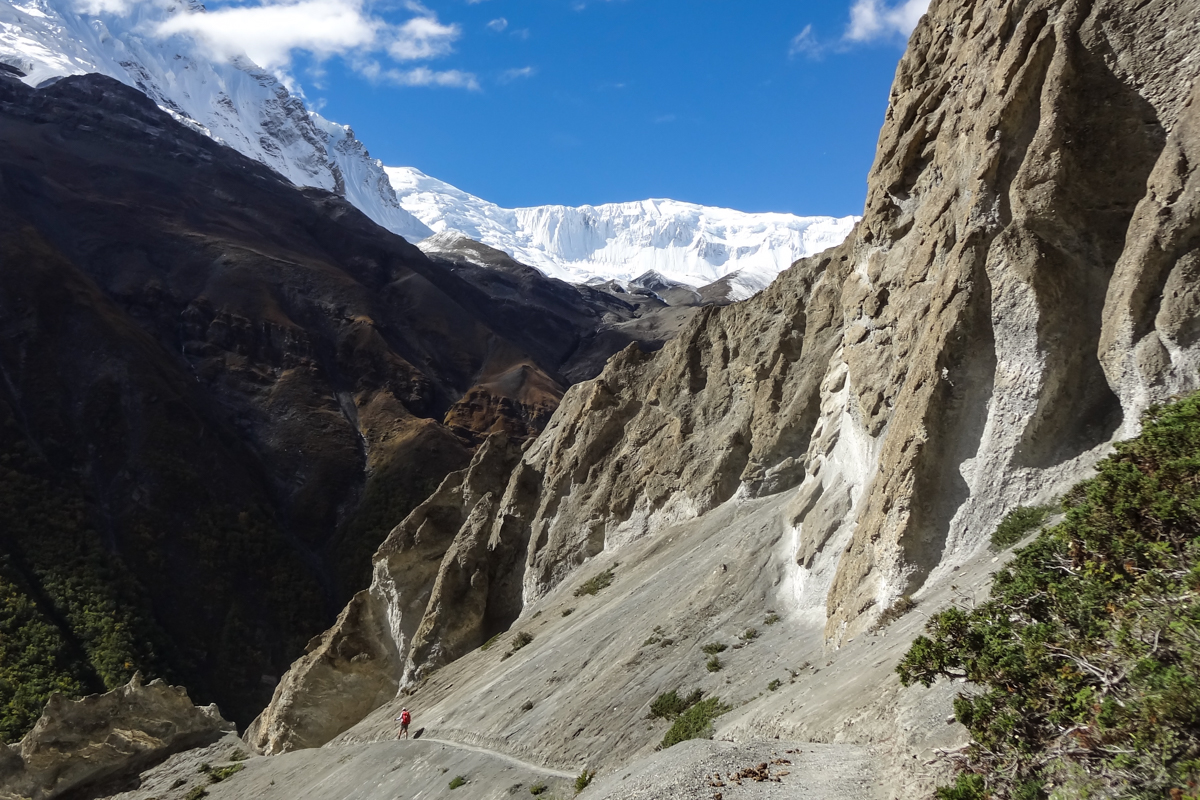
column 596, row 585
column 775, row 684
column 1087, row 651
column 196, row 793
column 583, row 780
column 712, row 648
column 1018, row 524
column 195, row 582
column 73, row 618
column 670, row 705
column 695, row 723
column 458, row 781
column 537, row 788
column 713, row 664
column 491, row 641
column 237, row 754
column 771, row 618
column 749, row 635
column 521, row 639
column 895, row 611
column 966, row 787
column 221, row 773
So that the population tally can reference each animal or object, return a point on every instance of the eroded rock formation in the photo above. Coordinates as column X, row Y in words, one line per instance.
column 1015, row 295
column 77, row 743
column 442, row 580
column 1022, row 285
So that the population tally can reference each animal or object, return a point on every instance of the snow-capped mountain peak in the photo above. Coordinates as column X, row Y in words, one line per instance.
column 233, row 101
column 248, row 108
column 682, row 242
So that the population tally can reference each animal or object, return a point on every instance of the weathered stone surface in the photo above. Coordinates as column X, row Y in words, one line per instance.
column 81, row 742
column 1017, row 147
column 345, row 673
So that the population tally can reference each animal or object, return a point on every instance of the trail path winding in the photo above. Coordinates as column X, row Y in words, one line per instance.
column 502, row 757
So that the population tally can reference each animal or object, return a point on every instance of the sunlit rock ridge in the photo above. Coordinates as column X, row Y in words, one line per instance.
column 1022, row 286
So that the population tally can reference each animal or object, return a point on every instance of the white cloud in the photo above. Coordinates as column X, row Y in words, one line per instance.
column 273, row 30
column 97, row 7
column 510, row 75
column 498, row 24
column 875, row 19
column 269, row 33
column 805, row 43
column 423, row 76
column 423, row 37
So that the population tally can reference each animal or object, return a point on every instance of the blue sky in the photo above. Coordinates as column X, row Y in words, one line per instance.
column 759, row 105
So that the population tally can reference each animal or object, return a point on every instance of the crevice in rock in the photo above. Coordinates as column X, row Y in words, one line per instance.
column 1078, row 212
column 955, row 421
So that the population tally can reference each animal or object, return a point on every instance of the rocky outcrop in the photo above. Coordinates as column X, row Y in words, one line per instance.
column 77, row 743
column 1021, row 287
column 1017, row 149
column 439, row 585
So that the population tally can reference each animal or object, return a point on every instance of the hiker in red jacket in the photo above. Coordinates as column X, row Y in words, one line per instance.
column 403, row 719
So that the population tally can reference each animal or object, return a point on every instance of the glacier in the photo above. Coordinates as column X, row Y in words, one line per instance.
column 683, row 242
column 234, row 101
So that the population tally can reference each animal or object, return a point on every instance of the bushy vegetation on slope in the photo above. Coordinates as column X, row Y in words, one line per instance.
column 695, row 723
column 69, row 613
column 1085, row 659
column 179, row 586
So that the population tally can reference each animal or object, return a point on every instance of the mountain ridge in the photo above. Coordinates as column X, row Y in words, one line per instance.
column 684, row 242
column 844, row 442
column 233, row 386
column 235, row 102
column 265, row 117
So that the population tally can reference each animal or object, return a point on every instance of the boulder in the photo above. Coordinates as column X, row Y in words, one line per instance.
column 77, row 743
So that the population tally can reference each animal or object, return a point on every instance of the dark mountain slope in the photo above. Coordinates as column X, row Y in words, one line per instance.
column 241, row 384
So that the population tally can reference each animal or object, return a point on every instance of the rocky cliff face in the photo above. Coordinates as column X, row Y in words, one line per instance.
column 1022, row 285
column 1019, row 289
